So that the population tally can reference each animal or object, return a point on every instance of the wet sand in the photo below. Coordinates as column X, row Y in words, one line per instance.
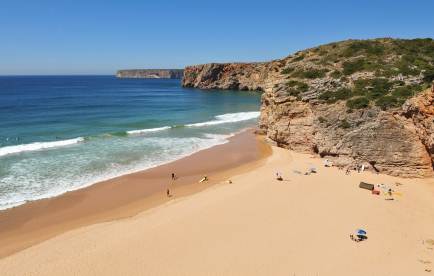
column 125, row 196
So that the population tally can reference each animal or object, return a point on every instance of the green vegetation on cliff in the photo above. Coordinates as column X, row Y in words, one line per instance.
column 379, row 72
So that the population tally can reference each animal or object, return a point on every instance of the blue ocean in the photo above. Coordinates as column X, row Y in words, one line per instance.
column 61, row 133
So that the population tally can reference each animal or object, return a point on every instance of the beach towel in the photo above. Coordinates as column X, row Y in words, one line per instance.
column 366, row 186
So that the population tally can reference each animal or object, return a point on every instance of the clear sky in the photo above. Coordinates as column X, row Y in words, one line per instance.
column 99, row 37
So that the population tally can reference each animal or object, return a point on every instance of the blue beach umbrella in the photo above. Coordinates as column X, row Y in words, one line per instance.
column 361, row 232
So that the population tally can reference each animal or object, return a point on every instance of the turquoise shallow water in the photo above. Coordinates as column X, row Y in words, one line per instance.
column 61, row 133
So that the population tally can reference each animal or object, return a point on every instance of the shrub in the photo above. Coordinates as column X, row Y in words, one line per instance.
column 372, row 88
column 310, row 74
column 336, row 74
column 358, row 103
column 193, row 75
column 322, row 52
column 293, row 92
column 334, row 96
column 380, row 87
column 386, row 71
column 287, row 70
column 322, row 120
column 298, row 58
column 344, row 124
column 406, row 69
column 421, row 45
column 387, row 102
column 364, row 46
column 354, row 66
column 402, row 92
column 296, row 88
column 303, row 87
column 429, row 75
column 376, row 50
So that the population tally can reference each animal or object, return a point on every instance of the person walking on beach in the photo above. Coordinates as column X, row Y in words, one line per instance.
column 173, row 176
column 168, row 192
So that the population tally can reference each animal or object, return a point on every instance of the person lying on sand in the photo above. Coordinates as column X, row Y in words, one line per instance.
column 356, row 238
column 389, row 194
column 311, row 170
column 205, row 178
column 328, row 163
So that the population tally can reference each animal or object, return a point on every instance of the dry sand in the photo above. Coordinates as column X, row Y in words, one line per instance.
column 127, row 195
column 256, row 226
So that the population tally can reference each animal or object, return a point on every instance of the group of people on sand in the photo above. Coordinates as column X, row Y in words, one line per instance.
column 174, row 177
column 358, row 167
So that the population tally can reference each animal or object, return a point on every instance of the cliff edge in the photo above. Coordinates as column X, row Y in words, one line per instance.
column 355, row 102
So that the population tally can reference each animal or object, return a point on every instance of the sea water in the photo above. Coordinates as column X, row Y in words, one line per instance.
column 61, row 133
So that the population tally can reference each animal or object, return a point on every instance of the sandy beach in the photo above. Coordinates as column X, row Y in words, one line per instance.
column 254, row 226
column 127, row 195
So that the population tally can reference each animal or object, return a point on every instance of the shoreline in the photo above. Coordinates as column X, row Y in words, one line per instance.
column 104, row 179
column 127, row 195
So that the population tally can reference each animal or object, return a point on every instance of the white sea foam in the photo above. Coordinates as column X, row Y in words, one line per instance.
column 172, row 149
column 28, row 179
column 146, row 130
column 219, row 119
column 38, row 146
column 228, row 118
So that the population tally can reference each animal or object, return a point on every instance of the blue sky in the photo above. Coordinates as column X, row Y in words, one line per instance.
column 99, row 37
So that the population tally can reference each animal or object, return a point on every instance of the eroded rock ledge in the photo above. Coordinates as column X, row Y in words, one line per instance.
column 354, row 102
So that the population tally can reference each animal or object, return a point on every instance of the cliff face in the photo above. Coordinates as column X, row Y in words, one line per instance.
column 398, row 142
column 236, row 76
column 354, row 102
column 150, row 73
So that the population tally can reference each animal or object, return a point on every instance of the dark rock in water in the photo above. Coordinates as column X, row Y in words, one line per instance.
column 355, row 102
column 151, row 73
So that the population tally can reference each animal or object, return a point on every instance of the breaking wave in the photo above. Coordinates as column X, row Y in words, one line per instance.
column 38, row 146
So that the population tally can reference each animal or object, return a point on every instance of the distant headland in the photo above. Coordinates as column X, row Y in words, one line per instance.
column 151, row 73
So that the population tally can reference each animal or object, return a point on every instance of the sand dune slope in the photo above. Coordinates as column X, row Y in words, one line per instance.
column 256, row 226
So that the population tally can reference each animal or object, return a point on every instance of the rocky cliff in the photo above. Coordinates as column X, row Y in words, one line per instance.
column 150, row 73
column 355, row 102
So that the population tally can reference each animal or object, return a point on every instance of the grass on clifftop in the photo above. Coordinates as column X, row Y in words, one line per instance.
column 380, row 92
column 379, row 72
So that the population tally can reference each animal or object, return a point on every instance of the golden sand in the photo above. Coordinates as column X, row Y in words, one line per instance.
column 256, row 226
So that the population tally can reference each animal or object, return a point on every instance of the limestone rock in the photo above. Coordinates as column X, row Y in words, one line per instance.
column 356, row 102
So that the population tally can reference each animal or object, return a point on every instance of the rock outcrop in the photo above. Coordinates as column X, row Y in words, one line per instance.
column 150, row 73
column 354, row 102
column 235, row 76
column 398, row 142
